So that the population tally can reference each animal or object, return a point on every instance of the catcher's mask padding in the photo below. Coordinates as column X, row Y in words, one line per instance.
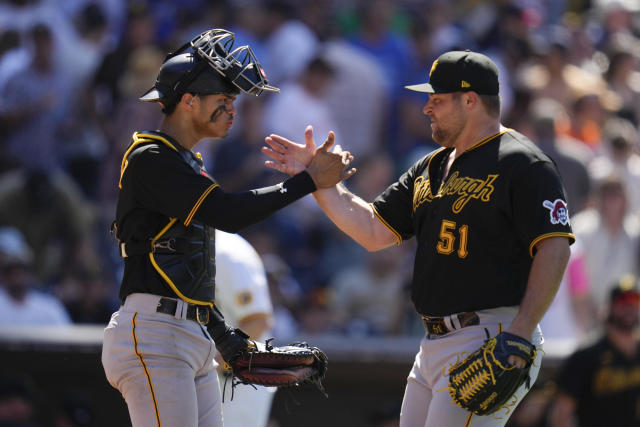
column 208, row 64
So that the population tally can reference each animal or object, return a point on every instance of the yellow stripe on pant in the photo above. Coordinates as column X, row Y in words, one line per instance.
column 146, row 371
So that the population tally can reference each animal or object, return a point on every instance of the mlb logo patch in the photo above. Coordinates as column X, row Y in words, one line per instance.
column 558, row 212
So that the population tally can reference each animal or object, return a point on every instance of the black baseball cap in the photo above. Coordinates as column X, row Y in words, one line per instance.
column 461, row 71
column 625, row 289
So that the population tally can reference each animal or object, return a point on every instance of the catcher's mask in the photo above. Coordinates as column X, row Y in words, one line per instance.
column 208, row 64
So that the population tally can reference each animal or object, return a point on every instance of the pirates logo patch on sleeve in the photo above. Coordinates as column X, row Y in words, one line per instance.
column 559, row 214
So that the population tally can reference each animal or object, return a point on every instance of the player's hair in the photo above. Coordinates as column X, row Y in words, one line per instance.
column 491, row 103
column 169, row 107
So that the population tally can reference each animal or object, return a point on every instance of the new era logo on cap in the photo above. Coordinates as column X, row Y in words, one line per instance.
column 459, row 71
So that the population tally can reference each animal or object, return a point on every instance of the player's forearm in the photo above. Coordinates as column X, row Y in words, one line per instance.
column 354, row 217
column 231, row 212
column 546, row 273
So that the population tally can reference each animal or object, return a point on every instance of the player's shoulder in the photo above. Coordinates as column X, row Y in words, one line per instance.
column 231, row 246
column 151, row 143
column 516, row 147
column 422, row 163
column 231, row 242
column 152, row 152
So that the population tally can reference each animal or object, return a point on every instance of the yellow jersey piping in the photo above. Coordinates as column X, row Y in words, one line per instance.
column 487, row 139
column 198, row 203
column 386, row 224
column 429, row 168
column 165, row 276
column 140, row 138
column 546, row 236
column 146, row 371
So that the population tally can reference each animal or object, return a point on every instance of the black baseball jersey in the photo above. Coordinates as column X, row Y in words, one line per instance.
column 605, row 384
column 162, row 182
column 476, row 229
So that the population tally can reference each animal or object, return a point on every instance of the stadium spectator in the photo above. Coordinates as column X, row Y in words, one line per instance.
column 369, row 297
column 609, row 235
column 55, row 219
column 569, row 155
column 33, row 105
column 19, row 401
column 598, row 384
column 621, row 155
column 21, row 304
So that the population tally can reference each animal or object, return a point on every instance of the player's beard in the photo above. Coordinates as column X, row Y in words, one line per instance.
column 446, row 136
column 450, row 126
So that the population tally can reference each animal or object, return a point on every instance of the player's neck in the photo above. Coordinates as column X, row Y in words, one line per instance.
column 474, row 132
column 179, row 130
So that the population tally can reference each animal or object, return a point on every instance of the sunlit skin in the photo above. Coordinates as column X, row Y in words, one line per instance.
column 448, row 119
column 213, row 114
column 197, row 117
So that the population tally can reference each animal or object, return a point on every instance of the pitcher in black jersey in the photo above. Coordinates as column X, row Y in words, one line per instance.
column 158, row 349
column 490, row 217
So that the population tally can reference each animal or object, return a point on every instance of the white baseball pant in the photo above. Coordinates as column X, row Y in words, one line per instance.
column 427, row 402
column 163, row 365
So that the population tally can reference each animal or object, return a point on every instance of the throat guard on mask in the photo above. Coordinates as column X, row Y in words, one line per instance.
column 184, row 256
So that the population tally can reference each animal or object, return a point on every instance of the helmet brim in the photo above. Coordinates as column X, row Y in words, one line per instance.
column 152, row 94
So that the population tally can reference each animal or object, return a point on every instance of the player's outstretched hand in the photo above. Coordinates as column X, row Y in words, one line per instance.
column 329, row 168
column 288, row 156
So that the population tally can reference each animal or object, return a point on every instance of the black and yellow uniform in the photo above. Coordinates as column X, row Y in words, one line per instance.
column 476, row 229
column 605, row 383
column 167, row 208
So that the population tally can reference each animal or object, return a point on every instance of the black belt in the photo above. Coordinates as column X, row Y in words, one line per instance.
column 197, row 313
column 438, row 325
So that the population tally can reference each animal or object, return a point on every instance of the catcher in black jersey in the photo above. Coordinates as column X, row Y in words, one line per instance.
column 159, row 346
column 489, row 214
column 599, row 385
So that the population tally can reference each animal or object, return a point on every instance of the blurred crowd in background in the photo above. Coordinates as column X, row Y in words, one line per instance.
column 71, row 73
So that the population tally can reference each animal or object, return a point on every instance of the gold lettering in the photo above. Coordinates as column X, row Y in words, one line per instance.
column 421, row 192
column 614, row 380
column 464, row 187
column 470, row 188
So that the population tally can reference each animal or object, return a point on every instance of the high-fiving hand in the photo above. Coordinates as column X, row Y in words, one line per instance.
column 326, row 168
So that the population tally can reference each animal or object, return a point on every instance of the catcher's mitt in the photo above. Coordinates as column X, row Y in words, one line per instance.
column 484, row 381
column 253, row 362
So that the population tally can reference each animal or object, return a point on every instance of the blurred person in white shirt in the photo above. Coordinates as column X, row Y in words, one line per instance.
column 20, row 303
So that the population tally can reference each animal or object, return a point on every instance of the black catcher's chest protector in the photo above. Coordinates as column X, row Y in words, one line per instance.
column 182, row 255
column 185, row 258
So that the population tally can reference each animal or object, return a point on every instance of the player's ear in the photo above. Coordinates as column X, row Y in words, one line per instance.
column 469, row 99
column 187, row 99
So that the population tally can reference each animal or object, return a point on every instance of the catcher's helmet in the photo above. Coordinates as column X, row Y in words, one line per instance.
column 208, row 64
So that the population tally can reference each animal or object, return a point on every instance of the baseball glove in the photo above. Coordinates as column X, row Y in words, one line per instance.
column 484, row 380
column 252, row 362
